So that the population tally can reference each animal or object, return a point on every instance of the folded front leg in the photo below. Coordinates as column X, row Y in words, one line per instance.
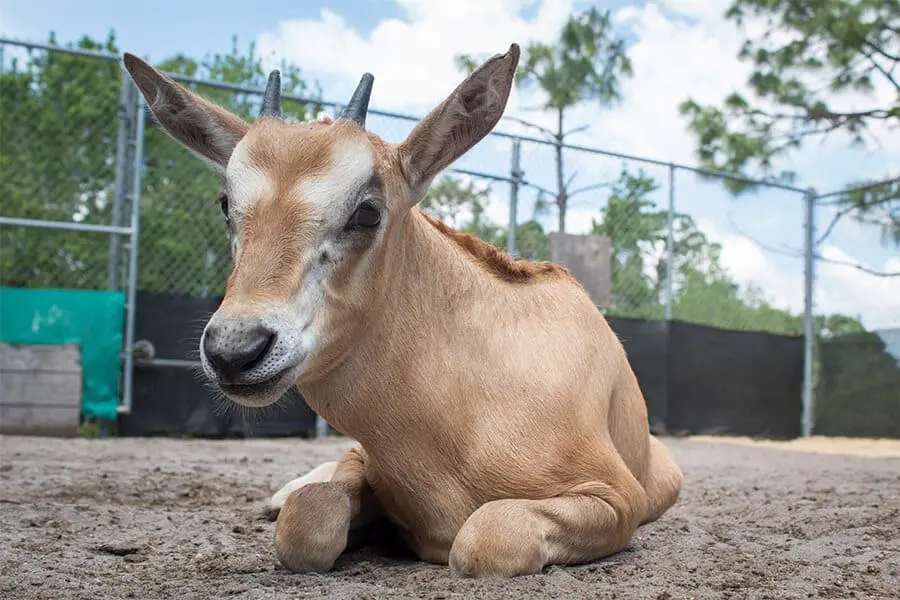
column 506, row 538
column 315, row 519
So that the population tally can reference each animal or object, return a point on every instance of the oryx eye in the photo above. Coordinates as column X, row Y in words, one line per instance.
column 366, row 216
column 223, row 204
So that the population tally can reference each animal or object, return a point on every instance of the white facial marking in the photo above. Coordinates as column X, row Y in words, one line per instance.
column 352, row 165
column 246, row 183
column 329, row 197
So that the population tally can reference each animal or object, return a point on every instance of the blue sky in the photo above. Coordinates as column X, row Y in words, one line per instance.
column 400, row 40
column 160, row 28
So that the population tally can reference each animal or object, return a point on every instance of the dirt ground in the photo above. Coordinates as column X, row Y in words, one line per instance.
column 157, row 518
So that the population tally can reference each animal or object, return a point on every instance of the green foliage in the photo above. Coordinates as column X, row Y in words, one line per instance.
column 58, row 134
column 449, row 196
column 632, row 229
column 705, row 291
column 587, row 62
column 858, row 392
column 57, row 162
column 812, row 52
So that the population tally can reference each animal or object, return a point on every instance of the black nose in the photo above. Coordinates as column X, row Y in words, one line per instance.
column 234, row 350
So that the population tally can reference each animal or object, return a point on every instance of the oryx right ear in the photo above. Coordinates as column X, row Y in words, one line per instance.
column 459, row 122
column 206, row 129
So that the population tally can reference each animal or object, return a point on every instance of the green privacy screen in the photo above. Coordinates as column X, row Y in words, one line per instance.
column 91, row 318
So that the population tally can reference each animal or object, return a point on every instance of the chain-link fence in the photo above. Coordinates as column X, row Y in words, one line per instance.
column 857, row 322
column 58, row 163
column 680, row 248
column 681, row 245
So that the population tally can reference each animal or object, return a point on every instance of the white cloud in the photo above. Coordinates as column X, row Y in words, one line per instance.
column 848, row 290
column 839, row 288
column 412, row 59
column 750, row 264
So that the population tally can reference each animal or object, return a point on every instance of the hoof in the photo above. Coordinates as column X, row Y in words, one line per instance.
column 311, row 528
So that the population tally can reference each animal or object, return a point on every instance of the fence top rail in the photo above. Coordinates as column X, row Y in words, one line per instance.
column 502, row 134
column 61, row 49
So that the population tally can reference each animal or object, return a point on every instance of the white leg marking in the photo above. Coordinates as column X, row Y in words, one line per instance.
column 322, row 473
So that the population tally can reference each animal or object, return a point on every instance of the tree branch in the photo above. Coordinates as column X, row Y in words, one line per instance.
column 857, row 266
column 588, row 188
column 879, row 50
column 837, row 217
column 541, row 107
column 577, row 130
column 862, row 188
column 535, row 186
column 882, row 70
column 799, row 254
column 784, row 251
column 547, row 132
column 875, row 113
column 866, row 42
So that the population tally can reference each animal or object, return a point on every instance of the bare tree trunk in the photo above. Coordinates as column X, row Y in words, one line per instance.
column 561, row 198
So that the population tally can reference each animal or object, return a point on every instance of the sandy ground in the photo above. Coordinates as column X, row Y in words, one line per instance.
column 155, row 518
column 818, row 444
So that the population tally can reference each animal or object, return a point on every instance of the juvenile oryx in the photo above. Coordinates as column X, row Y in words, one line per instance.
column 500, row 425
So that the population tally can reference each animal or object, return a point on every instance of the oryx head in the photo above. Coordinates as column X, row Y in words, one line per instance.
column 313, row 211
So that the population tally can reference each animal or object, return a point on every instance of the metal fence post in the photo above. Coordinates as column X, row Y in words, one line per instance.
column 670, row 247
column 515, row 179
column 809, row 334
column 131, row 302
column 123, row 173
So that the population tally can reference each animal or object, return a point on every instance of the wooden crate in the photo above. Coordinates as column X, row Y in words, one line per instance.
column 588, row 258
column 40, row 389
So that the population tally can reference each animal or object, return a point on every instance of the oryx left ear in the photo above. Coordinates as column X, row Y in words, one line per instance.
column 203, row 127
column 468, row 114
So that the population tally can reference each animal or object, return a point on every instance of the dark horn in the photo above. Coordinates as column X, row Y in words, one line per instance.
column 271, row 104
column 359, row 104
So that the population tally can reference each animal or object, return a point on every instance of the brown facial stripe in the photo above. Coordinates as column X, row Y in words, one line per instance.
column 269, row 263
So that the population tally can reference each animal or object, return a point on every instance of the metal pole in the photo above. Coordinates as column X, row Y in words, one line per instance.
column 809, row 338
column 64, row 225
column 130, row 307
column 115, row 242
column 670, row 246
column 515, row 175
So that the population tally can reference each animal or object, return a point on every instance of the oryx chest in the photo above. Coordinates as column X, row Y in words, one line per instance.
column 428, row 505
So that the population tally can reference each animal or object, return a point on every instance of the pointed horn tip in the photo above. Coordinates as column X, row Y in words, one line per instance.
column 274, row 80
column 366, row 82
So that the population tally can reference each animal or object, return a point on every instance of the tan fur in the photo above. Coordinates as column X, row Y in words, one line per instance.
column 501, row 427
column 497, row 262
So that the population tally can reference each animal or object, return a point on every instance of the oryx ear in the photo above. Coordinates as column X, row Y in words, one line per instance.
column 206, row 129
column 459, row 122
